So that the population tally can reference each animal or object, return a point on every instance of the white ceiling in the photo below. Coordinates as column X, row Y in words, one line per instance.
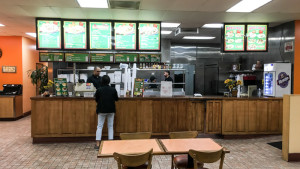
column 19, row 15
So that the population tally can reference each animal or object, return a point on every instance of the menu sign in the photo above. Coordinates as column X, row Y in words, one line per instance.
column 125, row 36
column 126, row 57
column 100, row 35
column 257, row 37
column 149, row 36
column 49, row 34
column 61, row 88
column 234, row 38
column 51, row 57
column 75, row 35
column 138, row 87
column 155, row 58
column 97, row 57
column 144, row 58
column 76, row 57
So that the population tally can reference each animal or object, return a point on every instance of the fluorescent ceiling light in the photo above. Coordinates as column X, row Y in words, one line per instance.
column 169, row 25
column 248, row 5
column 212, row 25
column 198, row 37
column 1, row 24
column 93, row 3
column 31, row 34
column 166, row 32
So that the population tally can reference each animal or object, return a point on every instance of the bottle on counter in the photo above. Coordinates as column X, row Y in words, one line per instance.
column 259, row 92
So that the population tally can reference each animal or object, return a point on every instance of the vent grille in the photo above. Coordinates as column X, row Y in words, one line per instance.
column 132, row 5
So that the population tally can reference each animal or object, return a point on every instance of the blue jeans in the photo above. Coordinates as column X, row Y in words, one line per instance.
column 110, row 125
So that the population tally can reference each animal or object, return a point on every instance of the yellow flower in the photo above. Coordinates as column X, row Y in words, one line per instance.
column 239, row 82
column 230, row 87
column 226, row 81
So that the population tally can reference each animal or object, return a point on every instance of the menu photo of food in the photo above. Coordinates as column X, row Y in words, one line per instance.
column 75, row 28
column 125, row 29
column 149, row 29
column 61, row 88
column 49, row 27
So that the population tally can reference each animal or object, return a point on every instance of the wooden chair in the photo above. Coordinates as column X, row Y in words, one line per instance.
column 134, row 161
column 207, row 157
column 135, row 136
column 181, row 160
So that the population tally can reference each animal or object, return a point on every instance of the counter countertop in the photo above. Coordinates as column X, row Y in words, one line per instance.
column 175, row 97
column 1, row 96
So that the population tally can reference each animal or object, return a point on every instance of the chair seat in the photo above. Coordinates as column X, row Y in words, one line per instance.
column 144, row 166
column 181, row 161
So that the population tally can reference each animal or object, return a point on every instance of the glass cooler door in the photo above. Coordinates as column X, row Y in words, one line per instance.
column 269, row 83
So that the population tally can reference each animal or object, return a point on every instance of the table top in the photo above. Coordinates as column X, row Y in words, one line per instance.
column 107, row 148
column 182, row 146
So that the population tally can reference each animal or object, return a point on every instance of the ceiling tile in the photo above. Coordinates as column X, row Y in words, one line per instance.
column 75, row 13
column 40, row 11
column 62, row 3
column 122, row 14
column 97, row 13
column 149, row 15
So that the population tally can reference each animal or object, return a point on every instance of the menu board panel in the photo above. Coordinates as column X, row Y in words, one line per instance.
column 257, row 37
column 125, row 36
column 100, row 35
column 49, row 34
column 155, row 58
column 129, row 57
column 51, row 57
column 149, row 36
column 75, row 35
column 76, row 57
column 138, row 87
column 98, row 57
column 61, row 87
column 234, row 37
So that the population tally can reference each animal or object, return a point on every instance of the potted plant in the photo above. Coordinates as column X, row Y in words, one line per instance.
column 39, row 77
column 49, row 85
column 231, row 85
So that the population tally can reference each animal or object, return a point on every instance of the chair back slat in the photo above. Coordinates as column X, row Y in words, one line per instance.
column 183, row 134
column 135, row 136
column 133, row 160
column 208, row 157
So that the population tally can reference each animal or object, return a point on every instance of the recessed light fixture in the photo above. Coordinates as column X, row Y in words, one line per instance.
column 212, row 25
column 93, row 3
column 169, row 25
column 31, row 34
column 166, row 32
column 1, row 24
column 199, row 37
column 248, row 5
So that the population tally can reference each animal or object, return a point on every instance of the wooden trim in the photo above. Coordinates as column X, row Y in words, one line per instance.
column 159, row 143
column 286, row 127
column 36, row 140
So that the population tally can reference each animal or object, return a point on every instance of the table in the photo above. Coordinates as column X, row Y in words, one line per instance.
column 107, row 148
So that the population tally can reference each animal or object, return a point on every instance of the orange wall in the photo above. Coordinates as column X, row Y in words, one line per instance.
column 12, row 56
column 30, row 57
column 297, row 59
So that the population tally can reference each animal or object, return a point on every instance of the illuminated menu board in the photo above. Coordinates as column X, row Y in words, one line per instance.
column 100, row 35
column 234, row 37
column 99, row 57
column 129, row 57
column 125, row 36
column 76, row 57
column 154, row 58
column 75, row 35
column 257, row 37
column 51, row 57
column 149, row 36
column 49, row 34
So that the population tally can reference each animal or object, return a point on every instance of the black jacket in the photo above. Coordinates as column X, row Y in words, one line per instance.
column 96, row 80
column 169, row 79
column 105, row 97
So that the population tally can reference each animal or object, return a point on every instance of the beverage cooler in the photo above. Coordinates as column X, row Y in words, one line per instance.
column 277, row 79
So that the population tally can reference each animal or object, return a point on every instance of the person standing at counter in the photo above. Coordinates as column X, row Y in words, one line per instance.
column 105, row 97
column 153, row 80
column 167, row 76
column 95, row 78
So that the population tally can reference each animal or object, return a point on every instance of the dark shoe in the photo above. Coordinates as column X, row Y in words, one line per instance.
column 96, row 147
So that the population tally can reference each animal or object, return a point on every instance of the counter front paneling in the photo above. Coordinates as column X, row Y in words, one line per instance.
column 11, row 106
column 76, row 116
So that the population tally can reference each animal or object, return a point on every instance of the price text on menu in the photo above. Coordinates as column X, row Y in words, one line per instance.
column 100, row 35
column 234, row 38
column 149, row 36
column 49, row 34
column 125, row 36
column 75, row 35
column 257, row 37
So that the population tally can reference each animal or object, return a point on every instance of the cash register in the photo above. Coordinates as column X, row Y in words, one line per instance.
column 11, row 89
column 85, row 89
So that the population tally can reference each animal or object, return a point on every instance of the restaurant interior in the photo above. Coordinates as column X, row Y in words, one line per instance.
column 232, row 101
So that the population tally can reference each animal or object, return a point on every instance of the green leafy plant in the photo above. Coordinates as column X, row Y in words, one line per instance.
column 39, row 77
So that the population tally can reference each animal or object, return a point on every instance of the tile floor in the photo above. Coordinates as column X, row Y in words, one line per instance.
column 17, row 151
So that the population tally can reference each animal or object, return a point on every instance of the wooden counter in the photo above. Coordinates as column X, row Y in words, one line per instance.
column 76, row 117
column 10, row 106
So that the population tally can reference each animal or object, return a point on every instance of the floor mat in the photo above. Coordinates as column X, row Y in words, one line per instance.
column 277, row 144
